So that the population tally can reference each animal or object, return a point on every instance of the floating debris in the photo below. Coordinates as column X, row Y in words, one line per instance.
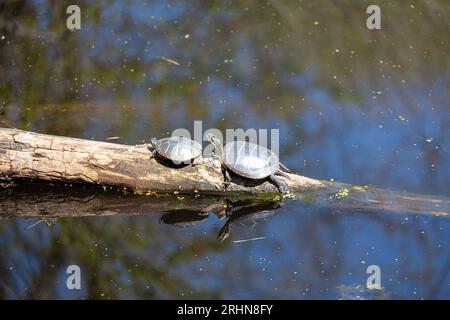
column 289, row 195
column 342, row 193
column 247, row 240
column 361, row 292
column 359, row 188
column 171, row 61
column 439, row 213
column 113, row 138
column 34, row 224
column 48, row 221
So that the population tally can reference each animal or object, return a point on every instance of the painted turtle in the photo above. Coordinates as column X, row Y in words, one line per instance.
column 251, row 161
column 176, row 149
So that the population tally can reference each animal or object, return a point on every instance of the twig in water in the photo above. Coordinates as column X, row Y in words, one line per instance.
column 50, row 222
column 170, row 61
column 34, row 224
column 247, row 240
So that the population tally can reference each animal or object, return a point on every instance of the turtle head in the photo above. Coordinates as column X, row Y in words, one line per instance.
column 153, row 142
column 215, row 142
column 212, row 138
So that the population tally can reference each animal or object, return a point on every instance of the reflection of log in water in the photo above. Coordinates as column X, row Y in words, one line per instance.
column 381, row 200
column 39, row 200
column 43, row 200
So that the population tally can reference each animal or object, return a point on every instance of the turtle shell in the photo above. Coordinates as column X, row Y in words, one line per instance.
column 250, row 160
column 178, row 149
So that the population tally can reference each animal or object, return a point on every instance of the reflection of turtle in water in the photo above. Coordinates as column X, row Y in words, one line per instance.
column 248, row 215
column 244, row 212
column 183, row 218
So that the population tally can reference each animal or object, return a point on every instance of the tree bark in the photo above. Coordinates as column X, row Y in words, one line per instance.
column 34, row 156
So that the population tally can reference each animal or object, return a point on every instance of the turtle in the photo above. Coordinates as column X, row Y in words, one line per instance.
column 250, row 161
column 177, row 149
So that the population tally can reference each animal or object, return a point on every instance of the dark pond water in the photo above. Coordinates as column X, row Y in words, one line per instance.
column 354, row 105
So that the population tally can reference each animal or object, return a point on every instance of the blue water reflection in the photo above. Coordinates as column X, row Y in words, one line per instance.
column 367, row 108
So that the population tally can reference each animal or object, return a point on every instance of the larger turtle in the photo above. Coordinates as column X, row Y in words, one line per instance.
column 251, row 161
column 177, row 149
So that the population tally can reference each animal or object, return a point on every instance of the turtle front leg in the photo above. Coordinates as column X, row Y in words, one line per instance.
column 281, row 185
column 283, row 174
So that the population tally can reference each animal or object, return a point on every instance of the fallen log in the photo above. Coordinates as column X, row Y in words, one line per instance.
column 35, row 156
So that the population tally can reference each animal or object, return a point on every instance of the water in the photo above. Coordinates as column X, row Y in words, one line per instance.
column 357, row 106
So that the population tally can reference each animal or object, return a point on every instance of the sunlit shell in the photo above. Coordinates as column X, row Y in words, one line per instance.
column 250, row 160
column 178, row 149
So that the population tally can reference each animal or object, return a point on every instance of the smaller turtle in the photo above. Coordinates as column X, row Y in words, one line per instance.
column 177, row 149
column 250, row 161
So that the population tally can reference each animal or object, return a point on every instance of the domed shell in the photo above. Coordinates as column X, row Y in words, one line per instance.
column 178, row 149
column 250, row 160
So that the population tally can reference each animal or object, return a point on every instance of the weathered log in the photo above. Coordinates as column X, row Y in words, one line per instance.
column 29, row 155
